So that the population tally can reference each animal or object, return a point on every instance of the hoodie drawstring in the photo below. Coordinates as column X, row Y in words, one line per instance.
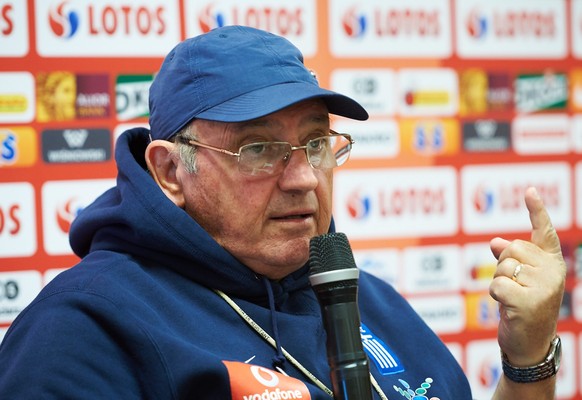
column 279, row 358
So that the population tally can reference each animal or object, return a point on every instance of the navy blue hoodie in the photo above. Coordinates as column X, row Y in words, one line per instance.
column 139, row 316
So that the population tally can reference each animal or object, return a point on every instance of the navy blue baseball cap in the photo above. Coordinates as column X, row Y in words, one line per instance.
column 235, row 74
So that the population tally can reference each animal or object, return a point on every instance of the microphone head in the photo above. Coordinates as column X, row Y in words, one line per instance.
column 330, row 252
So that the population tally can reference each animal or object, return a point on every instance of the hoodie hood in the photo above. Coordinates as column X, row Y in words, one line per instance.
column 136, row 218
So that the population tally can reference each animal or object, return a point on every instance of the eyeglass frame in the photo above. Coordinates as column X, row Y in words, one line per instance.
column 195, row 143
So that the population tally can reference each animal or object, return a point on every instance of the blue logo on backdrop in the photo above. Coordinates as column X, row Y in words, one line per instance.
column 384, row 358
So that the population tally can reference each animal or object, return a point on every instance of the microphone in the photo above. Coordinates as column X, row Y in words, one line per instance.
column 334, row 278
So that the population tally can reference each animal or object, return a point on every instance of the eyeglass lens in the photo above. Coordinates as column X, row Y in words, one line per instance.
column 269, row 158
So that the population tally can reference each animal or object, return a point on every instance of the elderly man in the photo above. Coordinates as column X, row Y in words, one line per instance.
column 193, row 282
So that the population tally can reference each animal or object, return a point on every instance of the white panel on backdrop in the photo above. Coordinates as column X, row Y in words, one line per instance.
column 13, row 28
column 383, row 263
column 388, row 203
column 511, row 29
column 432, row 269
column 390, row 28
column 374, row 138
column 17, row 290
column 541, row 134
column 92, row 28
column 17, row 220
column 17, row 97
column 576, row 24
column 372, row 88
column 492, row 198
column 62, row 201
column 295, row 20
column 444, row 314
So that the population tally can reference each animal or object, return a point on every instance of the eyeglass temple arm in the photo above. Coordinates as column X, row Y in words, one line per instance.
column 207, row 146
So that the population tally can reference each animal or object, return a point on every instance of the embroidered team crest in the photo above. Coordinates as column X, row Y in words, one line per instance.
column 382, row 356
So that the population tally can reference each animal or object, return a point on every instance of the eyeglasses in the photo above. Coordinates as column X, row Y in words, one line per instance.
column 270, row 158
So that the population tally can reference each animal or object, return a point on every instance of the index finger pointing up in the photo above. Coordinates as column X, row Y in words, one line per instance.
column 543, row 233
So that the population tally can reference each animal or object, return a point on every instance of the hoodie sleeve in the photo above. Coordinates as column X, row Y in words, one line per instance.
column 86, row 351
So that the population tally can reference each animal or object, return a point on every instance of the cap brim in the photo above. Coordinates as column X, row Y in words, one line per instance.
column 268, row 100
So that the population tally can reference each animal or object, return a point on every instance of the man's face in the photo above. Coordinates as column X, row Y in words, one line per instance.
column 265, row 222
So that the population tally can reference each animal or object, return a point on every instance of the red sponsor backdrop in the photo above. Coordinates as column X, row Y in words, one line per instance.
column 470, row 102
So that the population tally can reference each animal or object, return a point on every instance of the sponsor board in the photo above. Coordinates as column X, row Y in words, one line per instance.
column 384, row 264
column 13, row 28
column 132, row 96
column 444, row 314
column 17, row 290
column 387, row 203
column 17, row 220
column 62, row 201
column 432, row 269
column 576, row 24
column 483, row 367
column 479, row 265
column 427, row 92
column 374, row 139
column 65, row 96
column 541, row 92
column 518, row 29
column 76, row 145
column 483, row 91
column 482, row 311
column 486, row 136
column 18, row 147
column 493, row 196
column 541, row 134
column 576, row 131
column 372, row 88
column 81, row 28
column 390, row 28
column 296, row 21
column 17, row 97
column 430, row 137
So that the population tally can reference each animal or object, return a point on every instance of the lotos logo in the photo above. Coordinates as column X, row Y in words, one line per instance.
column 354, row 24
column 210, row 19
column 483, row 199
column 63, row 22
column 67, row 212
column 477, row 24
column 358, row 206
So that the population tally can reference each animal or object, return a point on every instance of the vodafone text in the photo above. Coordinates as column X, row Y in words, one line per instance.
column 276, row 394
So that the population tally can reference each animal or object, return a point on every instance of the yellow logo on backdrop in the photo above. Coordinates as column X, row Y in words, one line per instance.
column 430, row 137
column 56, row 94
column 473, row 87
column 13, row 103
column 482, row 311
column 18, row 147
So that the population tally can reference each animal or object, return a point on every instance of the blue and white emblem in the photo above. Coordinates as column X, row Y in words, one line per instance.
column 384, row 358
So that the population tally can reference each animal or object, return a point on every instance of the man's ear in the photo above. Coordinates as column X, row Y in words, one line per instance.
column 163, row 165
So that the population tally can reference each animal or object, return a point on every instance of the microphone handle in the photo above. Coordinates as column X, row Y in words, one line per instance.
column 350, row 372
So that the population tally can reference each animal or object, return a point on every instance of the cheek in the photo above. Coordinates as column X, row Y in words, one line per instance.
column 324, row 193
